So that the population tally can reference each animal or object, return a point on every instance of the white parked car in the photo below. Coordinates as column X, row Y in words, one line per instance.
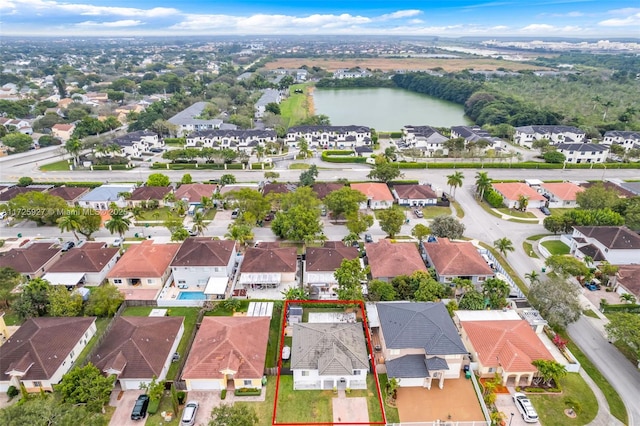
column 189, row 414
column 117, row 242
column 286, row 352
column 525, row 408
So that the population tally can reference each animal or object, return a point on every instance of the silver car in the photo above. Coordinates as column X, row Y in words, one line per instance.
column 189, row 414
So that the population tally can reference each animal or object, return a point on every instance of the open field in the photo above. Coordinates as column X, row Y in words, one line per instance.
column 392, row 64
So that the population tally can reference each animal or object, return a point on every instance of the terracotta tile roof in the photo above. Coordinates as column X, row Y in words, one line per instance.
column 204, row 251
column 137, row 347
column 512, row 191
column 235, row 343
column 388, row 259
column 511, row 343
column 30, row 259
column 269, row 259
column 40, row 346
column 194, row 192
column 68, row 193
column 322, row 189
column 612, row 237
column 565, row 191
column 63, row 127
column 144, row 260
column 87, row 258
column 376, row 191
column 456, row 258
column 329, row 257
column 145, row 193
column 415, row 192
column 629, row 278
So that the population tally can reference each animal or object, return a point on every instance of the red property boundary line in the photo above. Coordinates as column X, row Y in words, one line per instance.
column 370, row 347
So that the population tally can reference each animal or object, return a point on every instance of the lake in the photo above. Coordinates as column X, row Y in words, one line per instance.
column 386, row 109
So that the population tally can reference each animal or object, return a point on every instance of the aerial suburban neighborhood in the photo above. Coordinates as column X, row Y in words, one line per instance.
column 281, row 230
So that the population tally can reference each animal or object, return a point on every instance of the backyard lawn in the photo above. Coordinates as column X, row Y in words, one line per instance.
column 392, row 412
column 575, row 394
column 303, row 406
column 101, row 325
column 264, row 410
column 163, row 213
column 556, row 247
column 274, row 337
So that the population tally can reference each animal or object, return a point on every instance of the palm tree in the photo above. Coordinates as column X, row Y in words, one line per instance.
column 523, row 202
column 533, row 277
column 69, row 222
column 180, row 207
column 454, row 181
column 303, row 148
column 627, row 298
column 240, row 233
column 118, row 223
column 483, row 184
column 198, row 223
column 503, row 245
column 462, row 285
column 206, row 202
column 606, row 106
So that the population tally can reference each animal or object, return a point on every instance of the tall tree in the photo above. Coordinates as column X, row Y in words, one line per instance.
column 34, row 299
column 420, row 231
column 118, row 223
column 597, row 197
column 455, row 181
column 241, row 233
column 344, row 201
column 308, row 177
column 350, row 276
column 73, row 147
column 199, row 225
column 86, row 385
column 557, row 301
column 483, row 184
column 533, row 277
column 447, row 226
column 384, row 171
column 549, row 370
column 358, row 222
column 391, row 220
column 299, row 219
column 496, row 292
column 158, row 179
column 503, row 245
column 624, row 327
column 64, row 303
column 104, row 301
column 381, row 291
column 69, row 222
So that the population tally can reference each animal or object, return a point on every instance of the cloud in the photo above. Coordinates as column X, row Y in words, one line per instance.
column 550, row 29
column 113, row 24
column 400, row 14
column 633, row 20
column 53, row 6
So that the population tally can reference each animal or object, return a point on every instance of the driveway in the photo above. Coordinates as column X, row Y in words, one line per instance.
column 207, row 400
column 505, row 404
column 350, row 410
column 124, row 401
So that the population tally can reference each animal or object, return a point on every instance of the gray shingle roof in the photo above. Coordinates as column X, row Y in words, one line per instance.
column 411, row 366
column 424, row 325
column 579, row 147
column 187, row 116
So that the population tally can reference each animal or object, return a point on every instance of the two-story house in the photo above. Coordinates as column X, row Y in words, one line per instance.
column 617, row 245
column 627, row 139
column 526, row 135
column 239, row 140
column 135, row 143
column 425, row 138
column 583, row 152
column 86, row 265
column 62, row 131
column 31, row 261
column 269, row 96
column 320, row 265
column 475, row 134
column 342, row 137
column 188, row 120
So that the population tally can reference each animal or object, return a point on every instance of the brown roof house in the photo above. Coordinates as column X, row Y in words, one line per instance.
column 628, row 280
column 228, row 352
column 31, row 261
column 87, row 265
column 415, row 195
column 143, row 269
column 387, row 260
column 205, row 264
column 322, row 189
column 503, row 343
column 377, row 193
column 267, row 266
column 511, row 192
column 144, row 194
column 453, row 259
column 278, row 188
column 42, row 350
column 561, row 194
column 12, row 192
column 71, row 194
column 192, row 193
column 138, row 348
column 617, row 245
column 321, row 263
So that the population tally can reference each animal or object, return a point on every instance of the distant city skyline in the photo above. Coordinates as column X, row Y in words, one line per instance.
column 447, row 18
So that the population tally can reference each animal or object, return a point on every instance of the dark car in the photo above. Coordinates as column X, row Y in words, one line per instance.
column 140, row 408
column 368, row 238
column 545, row 211
column 156, row 150
column 68, row 245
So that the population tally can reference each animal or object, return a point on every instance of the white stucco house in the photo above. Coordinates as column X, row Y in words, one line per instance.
column 617, row 245
column 584, row 152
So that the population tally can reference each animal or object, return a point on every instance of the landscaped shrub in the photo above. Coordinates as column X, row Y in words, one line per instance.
column 405, row 165
column 493, row 198
column 247, row 392
column 153, row 406
column 12, row 392
column 182, row 395
column 337, row 152
column 223, row 394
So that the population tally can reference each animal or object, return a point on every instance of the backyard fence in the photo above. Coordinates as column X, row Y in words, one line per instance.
column 498, row 267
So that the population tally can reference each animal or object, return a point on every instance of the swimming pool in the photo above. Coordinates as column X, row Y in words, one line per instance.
column 191, row 295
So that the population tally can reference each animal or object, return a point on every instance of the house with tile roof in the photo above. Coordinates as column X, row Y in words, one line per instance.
column 610, row 186
column 577, row 153
column 419, row 343
column 42, row 350
column 617, row 245
column 504, row 346
column 62, row 131
column 31, row 261
column 278, row 188
column 628, row 280
column 456, row 259
column 137, row 349
column 205, row 263
column 192, row 193
column 329, row 355
column 227, row 353
column 561, row 194
column 320, row 265
column 526, row 135
column 414, row 195
column 86, row 265
column 377, row 193
column 100, row 198
column 512, row 191
column 144, row 194
column 71, row 194
column 322, row 189
column 387, row 260
column 268, row 266
column 12, row 192
column 144, row 266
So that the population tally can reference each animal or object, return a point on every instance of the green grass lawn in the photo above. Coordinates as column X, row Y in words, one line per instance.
column 299, row 166
column 528, row 248
column 274, row 337
column 559, row 211
column 371, row 393
column 434, row 211
column 590, row 313
column 210, row 214
column 551, row 408
column 164, row 213
column 538, row 237
column 392, row 412
column 295, row 108
column 264, row 410
column 516, row 213
column 487, row 208
column 11, row 317
column 58, row 166
column 627, row 351
column 556, row 247
column 165, row 405
column 459, row 210
column 101, row 325
column 220, row 311
column 312, row 406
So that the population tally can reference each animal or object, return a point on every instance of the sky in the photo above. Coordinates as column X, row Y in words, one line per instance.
column 444, row 18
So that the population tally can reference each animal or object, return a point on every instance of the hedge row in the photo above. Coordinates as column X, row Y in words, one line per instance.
column 337, row 152
column 113, row 167
column 620, row 308
column 330, row 159
column 247, row 392
column 405, row 165
column 258, row 166
column 73, row 184
column 192, row 166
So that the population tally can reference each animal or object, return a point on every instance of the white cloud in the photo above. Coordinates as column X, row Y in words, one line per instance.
column 550, row 29
column 113, row 24
column 400, row 14
column 632, row 20
column 53, row 6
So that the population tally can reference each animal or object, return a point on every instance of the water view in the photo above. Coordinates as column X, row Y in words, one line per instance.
column 386, row 109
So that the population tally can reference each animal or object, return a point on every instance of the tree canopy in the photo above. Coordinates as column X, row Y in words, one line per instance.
column 557, row 301
column 233, row 415
column 350, row 276
column 86, row 385
column 447, row 226
column 299, row 219
column 158, row 179
column 344, row 201
column 391, row 220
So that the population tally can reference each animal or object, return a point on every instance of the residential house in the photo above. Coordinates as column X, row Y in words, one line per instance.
column 86, row 265
column 627, row 139
column 268, row 266
column 137, row 349
column 377, row 193
column 227, row 353
column 42, row 350
column 350, row 73
column 583, row 152
column 342, row 137
column 320, row 265
column 502, row 343
column 278, row 188
column 363, row 151
column 187, row 120
column 192, row 193
column 329, row 356
column 457, row 259
column 31, row 261
column 419, row 343
column 425, row 138
column 238, row 140
column 561, row 194
column 70, row 194
column 14, row 191
column 143, row 267
column 387, row 260
column 17, row 124
column 611, row 186
column 100, row 198
column 627, row 280
column 322, row 189
column 135, row 143
column 269, row 96
column 144, row 194
column 475, row 134
column 526, row 135
column 414, row 195
column 617, row 245
column 204, row 263
column 64, row 132
column 512, row 191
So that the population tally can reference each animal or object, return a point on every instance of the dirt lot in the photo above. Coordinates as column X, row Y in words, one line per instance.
column 411, row 64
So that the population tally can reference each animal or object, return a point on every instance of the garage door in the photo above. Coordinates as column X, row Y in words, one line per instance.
column 411, row 382
column 203, row 385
